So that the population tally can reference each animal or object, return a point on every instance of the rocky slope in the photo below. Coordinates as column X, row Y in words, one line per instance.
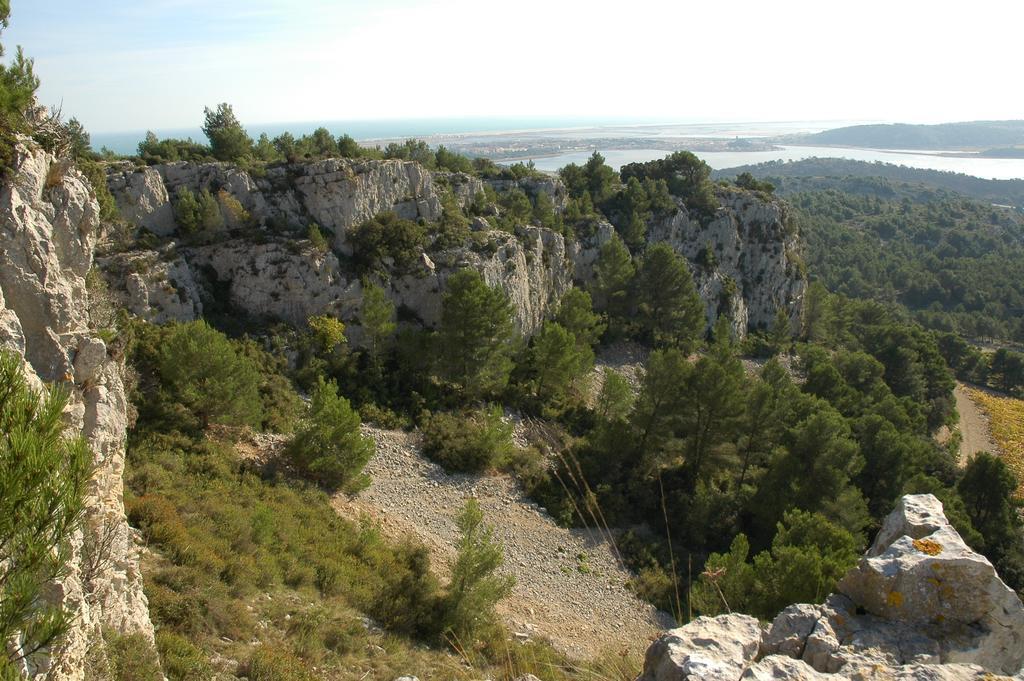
column 271, row 272
column 570, row 586
column 919, row 605
column 48, row 225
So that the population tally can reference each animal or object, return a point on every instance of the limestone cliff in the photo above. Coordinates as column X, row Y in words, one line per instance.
column 744, row 259
column 48, row 224
column 752, row 270
column 919, row 605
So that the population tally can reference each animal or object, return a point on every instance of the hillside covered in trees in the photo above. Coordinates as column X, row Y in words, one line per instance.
column 941, row 136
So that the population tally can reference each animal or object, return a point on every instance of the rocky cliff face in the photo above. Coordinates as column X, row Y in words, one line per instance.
column 752, row 271
column 48, row 223
column 744, row 260
column 919, row 605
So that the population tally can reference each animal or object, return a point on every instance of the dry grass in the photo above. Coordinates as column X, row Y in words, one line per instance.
column 1006, row 420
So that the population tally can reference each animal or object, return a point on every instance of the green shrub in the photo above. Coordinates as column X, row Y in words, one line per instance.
column 132, row 657
column 317, row 239
column 387, row 236
column 203, row 371
column 469, row 441
column 330, row 449
column 181, row 660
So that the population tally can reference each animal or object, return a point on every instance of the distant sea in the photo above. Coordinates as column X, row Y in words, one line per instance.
column 127, row 142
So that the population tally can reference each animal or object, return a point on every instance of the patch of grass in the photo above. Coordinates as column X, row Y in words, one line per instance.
column 1006, row 420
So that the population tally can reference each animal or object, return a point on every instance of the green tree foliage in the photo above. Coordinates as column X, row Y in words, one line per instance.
column 685, row 175
column 808, row 556
column 387, row 236
column 154, row 151
column 987, row 488
column 323, row 143
column 669, row 311
column 615, row 401
column 594, row 179
column 448, row 160
column 228, row 139
column 747, row 181
column 556, row 361
column 475, row 588
column 613, row 281
column 780, row 335
column 517, row 208
column 955, row 263
column 544, row 212
column 469, row 441
column 43, row 474
column 330, row 449
column 476, row 337
column 377, row 317
column 317, row 238
column 348, row 147
column 576, row 314
column 412, row 150
column 18, row 85
column 197, row 216
column 203, row 371
column 452, row 230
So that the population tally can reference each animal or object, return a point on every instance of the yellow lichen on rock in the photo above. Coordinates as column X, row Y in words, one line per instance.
column 894, row 599
column 932, row 548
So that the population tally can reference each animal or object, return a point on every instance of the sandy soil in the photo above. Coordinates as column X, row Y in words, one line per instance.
column 974, row 427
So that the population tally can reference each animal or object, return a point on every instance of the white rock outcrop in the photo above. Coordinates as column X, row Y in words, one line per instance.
column 708, row 648
column 934, row 610
column 754, row 267
column 754, row 270
column 48, row 223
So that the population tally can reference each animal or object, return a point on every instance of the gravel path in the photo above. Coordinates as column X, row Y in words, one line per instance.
column 974, row 429
column 569, row 587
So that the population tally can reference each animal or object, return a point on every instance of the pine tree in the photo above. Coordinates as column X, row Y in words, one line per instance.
column 669, row 311
column 477, row 335
column 203, row 371
column 228, row 139
column 331, row 449
column 474, row 588
column 576, row 314
column 377, row 316
column 557, row 360
column 613, row 276
column 43, row 474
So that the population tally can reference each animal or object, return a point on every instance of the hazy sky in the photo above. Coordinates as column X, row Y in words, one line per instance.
column 136, row 64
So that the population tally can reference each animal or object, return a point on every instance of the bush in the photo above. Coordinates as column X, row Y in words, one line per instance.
column 203, row 371
column 317, row 239
column 469, row 441
column 182, row 661
column 387, row 236
column 132, row 657
column 330, row 449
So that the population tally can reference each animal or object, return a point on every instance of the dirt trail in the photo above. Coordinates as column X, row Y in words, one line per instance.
column 974, row 428
column 569, row 586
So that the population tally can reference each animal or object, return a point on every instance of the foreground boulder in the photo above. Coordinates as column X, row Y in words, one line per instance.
column 919, row 605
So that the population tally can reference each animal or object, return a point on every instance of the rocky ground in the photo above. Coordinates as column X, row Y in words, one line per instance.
column 569, row 588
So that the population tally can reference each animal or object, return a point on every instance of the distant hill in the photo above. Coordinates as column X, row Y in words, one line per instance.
column 970, row 135
column 822, row 173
